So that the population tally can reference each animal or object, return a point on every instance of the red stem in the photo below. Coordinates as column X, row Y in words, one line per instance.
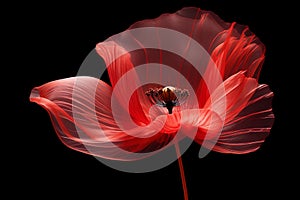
column 185, row 192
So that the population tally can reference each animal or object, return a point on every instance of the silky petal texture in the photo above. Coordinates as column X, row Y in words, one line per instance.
column 238, row 53
column 119, row 63
column 249, row 129
column 238, row 90
column 232, row 52
column 83, row 133
column 245, row 131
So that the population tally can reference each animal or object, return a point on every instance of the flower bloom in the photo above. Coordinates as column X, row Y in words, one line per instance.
column 81, row 107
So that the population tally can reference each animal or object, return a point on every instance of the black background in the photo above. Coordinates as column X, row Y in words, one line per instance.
column 51, row 41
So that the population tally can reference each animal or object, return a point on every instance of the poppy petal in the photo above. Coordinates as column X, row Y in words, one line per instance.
column 238, row 49
column 247, row 118
column 237, row 90
column 80, row 110
column 248, row 130
column 63, row 103
column 118, row 63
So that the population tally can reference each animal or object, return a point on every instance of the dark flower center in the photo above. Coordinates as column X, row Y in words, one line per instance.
column 167, row 97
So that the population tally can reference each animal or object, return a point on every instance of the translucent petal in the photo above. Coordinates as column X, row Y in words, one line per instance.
column 81, row 114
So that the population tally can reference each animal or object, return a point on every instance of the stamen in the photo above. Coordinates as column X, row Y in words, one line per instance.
column 167, row 97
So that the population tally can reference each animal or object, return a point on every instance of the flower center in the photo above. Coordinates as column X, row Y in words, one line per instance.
column 167, row 97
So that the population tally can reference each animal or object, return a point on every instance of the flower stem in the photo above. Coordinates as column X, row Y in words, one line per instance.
column 184, row 187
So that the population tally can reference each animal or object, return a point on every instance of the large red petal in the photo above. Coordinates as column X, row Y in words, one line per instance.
column 249, row 129
column 234, row 52
column 118, row 63
column 248, row 116
column 80, row 110
column 234, row 93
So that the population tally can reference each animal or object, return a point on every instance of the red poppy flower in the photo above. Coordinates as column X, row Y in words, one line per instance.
column 227, row 107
